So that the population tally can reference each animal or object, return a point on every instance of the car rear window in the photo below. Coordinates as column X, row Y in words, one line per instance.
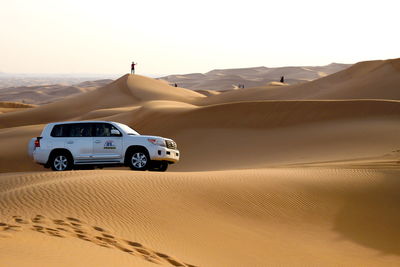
column 60, row 130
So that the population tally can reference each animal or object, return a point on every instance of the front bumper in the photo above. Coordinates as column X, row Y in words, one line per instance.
column 166, row 154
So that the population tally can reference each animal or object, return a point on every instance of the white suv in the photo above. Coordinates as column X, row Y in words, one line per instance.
column 65, row 145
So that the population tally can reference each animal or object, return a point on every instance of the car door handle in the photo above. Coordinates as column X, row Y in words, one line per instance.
column 70, row 142
column 97, row 141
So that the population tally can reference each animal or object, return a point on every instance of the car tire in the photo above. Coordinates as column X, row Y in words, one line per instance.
column 159, row 166
column 139, row 160
column 61, row 162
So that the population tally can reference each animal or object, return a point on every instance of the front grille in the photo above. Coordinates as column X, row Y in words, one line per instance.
column 171, row 144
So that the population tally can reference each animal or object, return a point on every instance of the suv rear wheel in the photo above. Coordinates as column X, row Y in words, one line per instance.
column 61, row 162
column 139, row 160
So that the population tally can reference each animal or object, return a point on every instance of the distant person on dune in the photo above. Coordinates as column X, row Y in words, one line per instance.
column 175, row 85
column 133, row 67
column 282, row 79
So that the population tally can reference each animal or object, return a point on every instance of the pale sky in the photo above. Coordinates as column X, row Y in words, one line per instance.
column 178, row 36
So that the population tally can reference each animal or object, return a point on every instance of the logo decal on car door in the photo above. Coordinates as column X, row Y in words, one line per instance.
column 109, row 144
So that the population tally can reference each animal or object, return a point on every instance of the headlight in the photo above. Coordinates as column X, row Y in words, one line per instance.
column 155, row 141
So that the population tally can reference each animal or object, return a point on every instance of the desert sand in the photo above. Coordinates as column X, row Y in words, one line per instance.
column 13, row 106
column 227, row 79
column 47, row 93
column 289, row 175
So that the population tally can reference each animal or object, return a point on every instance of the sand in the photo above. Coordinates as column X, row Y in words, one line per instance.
column 317, row 217
column 6, row 107
column 266, row 178
column 365, row 80
column 227, row 79
column 46, row 93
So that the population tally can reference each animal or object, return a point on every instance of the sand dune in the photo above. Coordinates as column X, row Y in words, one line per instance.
column 126, row 91
column 280, row 175
column 44, row 94
column 227, row 79
column 268, row 133
column 6, row 107
column 15, row 105
column 208, row 92
column 31, row 79
column 261, row 134
column 364, row 80
column 248, row 134
column 321, row 217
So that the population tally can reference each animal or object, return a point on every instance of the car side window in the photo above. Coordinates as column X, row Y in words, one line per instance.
column 57, row 131
column 80, row 130
column 60, row 130
column 103, row 129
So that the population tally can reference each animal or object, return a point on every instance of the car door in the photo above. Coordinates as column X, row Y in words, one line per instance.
column 79, row 141
column 106, row 146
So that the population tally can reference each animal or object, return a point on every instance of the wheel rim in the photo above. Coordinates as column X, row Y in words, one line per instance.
column 60, row 163
column 139, row 160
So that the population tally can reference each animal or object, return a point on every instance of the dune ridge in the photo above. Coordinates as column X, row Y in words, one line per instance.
column 228, row 79
column 364, row 80
column 6, row 107
column 47, row 93
column 125, row 91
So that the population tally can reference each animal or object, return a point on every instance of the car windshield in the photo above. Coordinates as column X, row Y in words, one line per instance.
column 128, row 130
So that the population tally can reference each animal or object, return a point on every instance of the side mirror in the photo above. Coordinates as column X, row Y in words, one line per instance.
column 115, row 132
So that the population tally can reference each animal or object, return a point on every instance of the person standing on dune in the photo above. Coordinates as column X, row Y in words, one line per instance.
column 133, row 67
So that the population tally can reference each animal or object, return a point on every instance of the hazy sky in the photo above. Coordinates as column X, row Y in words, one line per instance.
column 167, row 37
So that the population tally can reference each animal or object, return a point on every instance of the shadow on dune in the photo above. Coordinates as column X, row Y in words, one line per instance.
column 371, row 216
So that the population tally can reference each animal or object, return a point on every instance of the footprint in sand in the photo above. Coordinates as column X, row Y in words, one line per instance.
column 75, row 228
column 133, row 244
column 5, row 227
column 74, row 219
column 54, row 232
column 108, row 236
column 84, row 237
column 14, row 228
column 38, row 219
column 99, row 229
column 20, row 221
column 171, row 260
column 60, row 222
column 38, row 228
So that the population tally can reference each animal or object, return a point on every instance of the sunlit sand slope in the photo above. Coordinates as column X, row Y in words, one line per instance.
column 126, row 91
column 247, row 134
column 6, row 107
column 365, row 80
column 313, row 217
column 269, row 133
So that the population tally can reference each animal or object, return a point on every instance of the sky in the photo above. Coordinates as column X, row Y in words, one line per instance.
column 174, row 36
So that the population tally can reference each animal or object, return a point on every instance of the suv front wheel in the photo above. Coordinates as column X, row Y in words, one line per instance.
column 61, row 162
column 139, row 160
